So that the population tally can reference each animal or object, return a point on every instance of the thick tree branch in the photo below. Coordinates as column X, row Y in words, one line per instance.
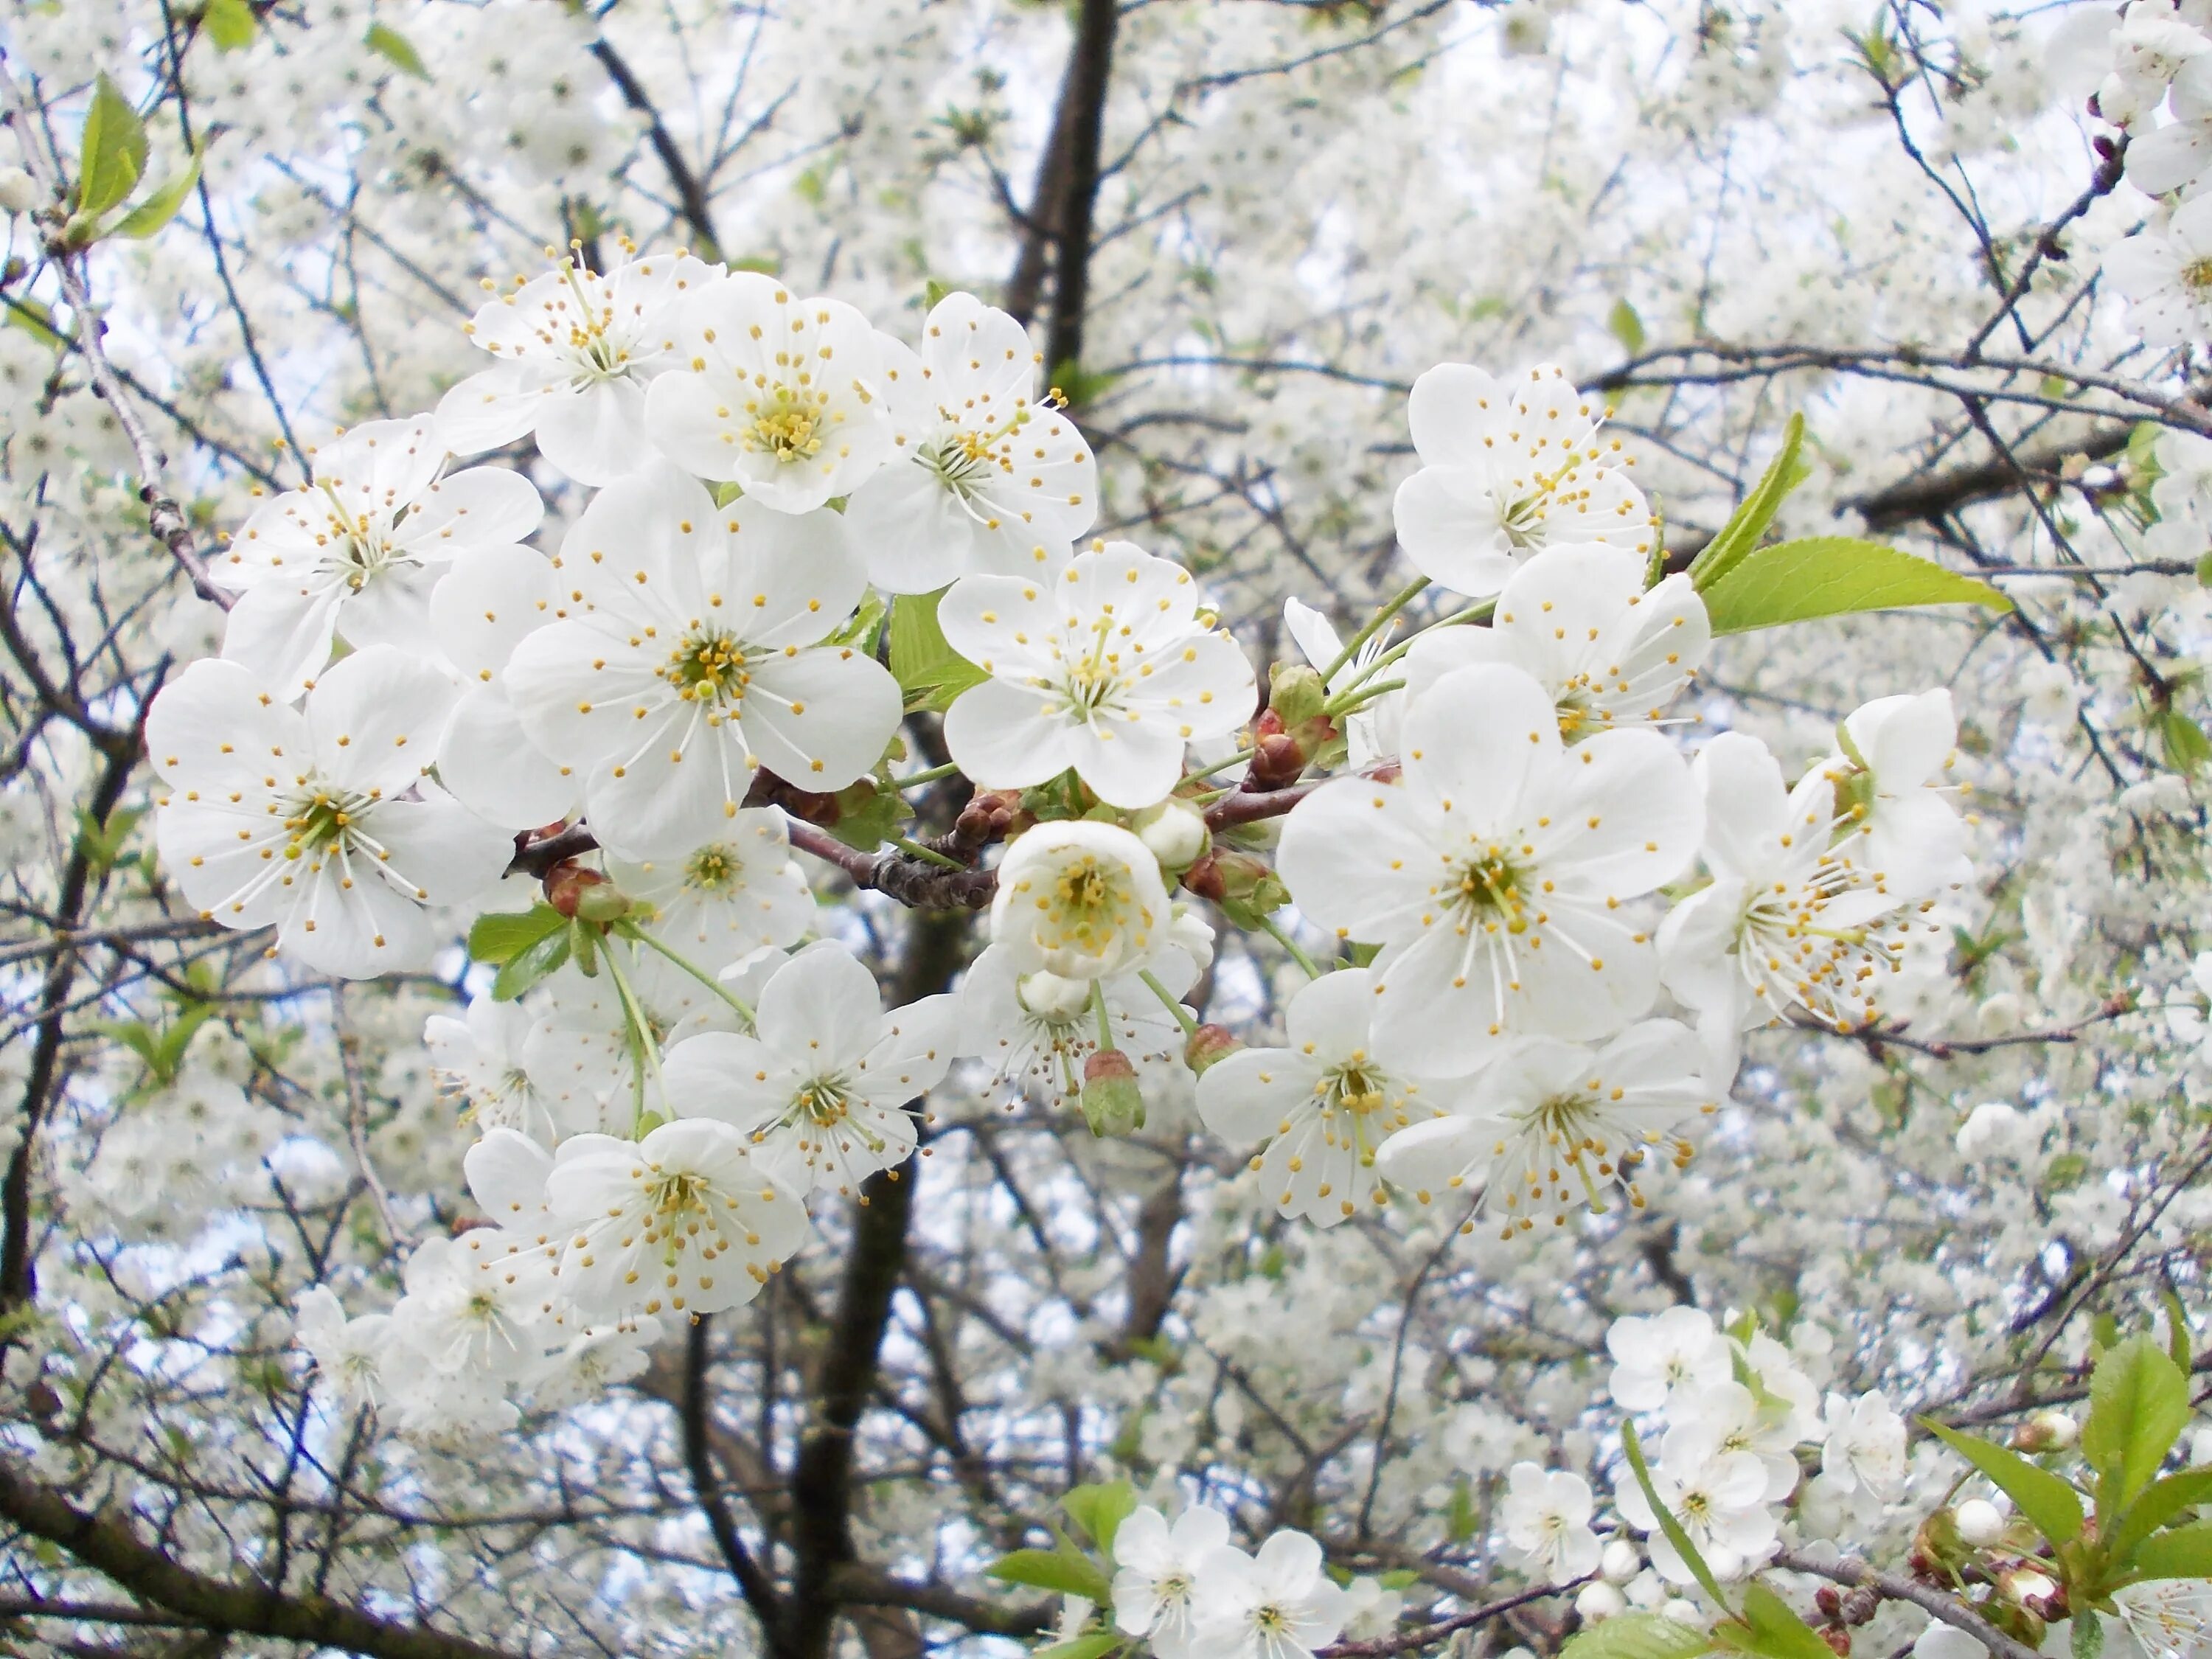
column 758, row 1587
column 111, row 1547
column 1088, row 71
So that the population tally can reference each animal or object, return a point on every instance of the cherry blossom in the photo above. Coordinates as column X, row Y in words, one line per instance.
column 1498, row 843
column 355, row 553
column 575, row 349
column 1105, row 666
column 700, row 652
column 319, row 820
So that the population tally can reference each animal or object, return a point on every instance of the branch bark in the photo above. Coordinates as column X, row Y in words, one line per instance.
column 1932, row 1603
column 1088, row 71
column 110, row 1546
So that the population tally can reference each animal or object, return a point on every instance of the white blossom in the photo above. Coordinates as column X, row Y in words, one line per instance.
column 1547, row 1518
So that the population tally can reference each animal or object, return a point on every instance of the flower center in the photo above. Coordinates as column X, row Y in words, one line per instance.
column 1355, row 1088
column 708, row 668
column 319, row 819
column 786, row 425
column 1488, row 889
column 2196, row 274
column 712, row 870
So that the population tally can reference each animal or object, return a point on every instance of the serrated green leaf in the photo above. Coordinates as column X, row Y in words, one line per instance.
column 1083, row 1647
column 229, row 23
column 1749, row 521
column 532, row 967
column 1627, row 327
column 929, row 670
column 397, row 49
column 2051, row 1506
column 1062, row 1570
column 2088, row 1635
column 1639, row 1636
column 1100, row 1509
column 1777, row 1632
column 1833, row 576
column 503, row 935
column 2184, row 1553
column 1667, row 1523
column 2182, row 741
column 2178, row 1346
column 112, row 154
column 2158, row 1504
column 157, row 209
column 2138, row 1406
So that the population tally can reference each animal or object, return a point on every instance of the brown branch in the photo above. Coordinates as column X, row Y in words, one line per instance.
column 690, row 194
column 1444, row 1629
column 758, row 1587
column 1088, row 69
column 1932, row 1603
column 165, row 518
column 247, row 1609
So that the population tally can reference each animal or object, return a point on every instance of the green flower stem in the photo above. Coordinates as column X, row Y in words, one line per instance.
column 1236, row 759
column 917, row 850
column 643, row 1050
column 1182, row 1014
column 1274, row 931
column 1356, row 699
column 695, row 970
column 915, row 780
column 1404, row 597
column 1105, row 1023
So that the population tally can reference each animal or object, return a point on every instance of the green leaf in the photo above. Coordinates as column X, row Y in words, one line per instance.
column 529, row 968
column 861, row 631
column 102, row 844
column 1639, row 1636
column 2178, row 1346
column 2184, row 1553
column 503, row 935
column 1667, row 1523
column 1627, row 327
column 1083, row 1647
column 2051, row 1506
column 35, row 320
column 2182, row 741
column 2138, row 1406
column 2159, row 1503
column 931, row 292
column 1832, row 577
column 2088, row 1635
column 868, row 814
column 157, row 209
column 1061, row 1570
column 112, row 154
column 1748, row 522
column 390, row 43
column 929, row 670
column 1777, row 1632
column 229, row 23
column 1100, row 1510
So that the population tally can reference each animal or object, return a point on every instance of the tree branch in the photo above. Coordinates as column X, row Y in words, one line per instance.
column 1933, row 1603
column 110, row 1546
column 1085, row 96
column 690, row 194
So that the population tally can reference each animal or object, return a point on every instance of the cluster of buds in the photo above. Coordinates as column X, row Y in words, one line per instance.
column 1293, row 732
column 1243, row 886
column 583, row 894
column 1840, row 1610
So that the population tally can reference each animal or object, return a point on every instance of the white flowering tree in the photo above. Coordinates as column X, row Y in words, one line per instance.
column 1138, row 828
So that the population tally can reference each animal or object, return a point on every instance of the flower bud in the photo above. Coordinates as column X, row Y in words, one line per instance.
column 568, row 884
column 1600, row 1602
column 1295, row 694
column 2045, row 1432
column 1113, row 1105
column 1838, row 1638
column 1208, row 1046
column 1175, row 833
column 1978, row 1523
column 1621, row 1562
column 19, row 191
column 1050, row 996
column 1276, row 759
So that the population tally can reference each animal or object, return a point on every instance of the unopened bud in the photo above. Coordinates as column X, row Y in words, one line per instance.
column 1175, row 833
column 2038, row 1592
column 19, row 191
column 2046, row 1432
column 1621, row 1562
column 1277, row 760
column 1978, row 1523
column 1838, row 1638
column 1860, row 1606
column 1208, row 1046
column 1207, row 879
column 1295, row 694
column 568, row 884
column 1830, row 1601
column 1113, row 1105
column 1052, row 996
column 1600, row 1602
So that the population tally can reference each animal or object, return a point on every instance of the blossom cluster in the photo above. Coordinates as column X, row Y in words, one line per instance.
column 1524, row 1002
